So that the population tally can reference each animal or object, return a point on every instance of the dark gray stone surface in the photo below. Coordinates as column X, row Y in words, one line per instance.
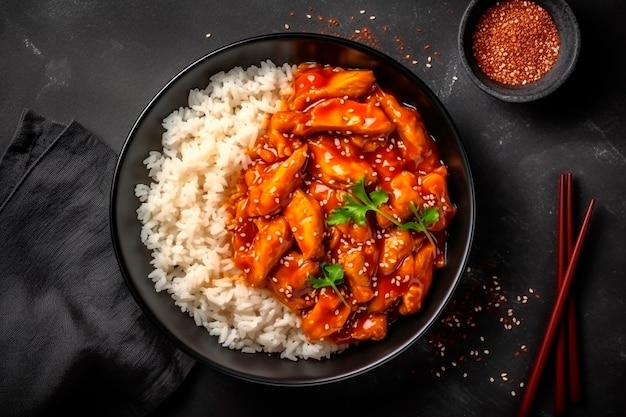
column 100, row 62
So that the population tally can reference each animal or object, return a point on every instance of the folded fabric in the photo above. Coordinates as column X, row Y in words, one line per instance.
column 72, row 339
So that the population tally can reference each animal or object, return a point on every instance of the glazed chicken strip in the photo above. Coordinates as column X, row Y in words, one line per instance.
column 333, row 115
column 326, row 317
column 289, row 278
column 272, row 240
column 435, row 193
column 317, row 83
column 389, row 288
column 369, row 326
column 363, row 325
column 328, row 197
column 396, row 244
column 338, row 163
column 357, row 253
column 420, row 284
column 274, row 146
column 403, row 191
column 355, row 269
column 410, row 126
column 306, row 220
column 270, row 186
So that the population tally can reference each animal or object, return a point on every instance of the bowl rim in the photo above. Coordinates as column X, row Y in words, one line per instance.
column 304, row 380
column 569, row 31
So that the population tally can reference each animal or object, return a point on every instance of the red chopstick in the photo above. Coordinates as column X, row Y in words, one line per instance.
column 566, row 359
column 575, row 391
column 562, row 240
column 555, row 317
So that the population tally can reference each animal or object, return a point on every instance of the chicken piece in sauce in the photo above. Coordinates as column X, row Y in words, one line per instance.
column 332, row 115
column 270, row 186
column 339, row 128
column 306, row 220
column 389, row 288
column 354, row 247
column 362, row 325
column 396, row 244
column 435, row 190
column 271, row 241
column 327, row 316
column 403, row 190
column 416, row 144
column 328, row 197
column 317, row 82
column 289, row 281
column 421, row 280
column 338, row 163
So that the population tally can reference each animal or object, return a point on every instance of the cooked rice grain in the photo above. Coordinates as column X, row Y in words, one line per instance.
column 184, row 219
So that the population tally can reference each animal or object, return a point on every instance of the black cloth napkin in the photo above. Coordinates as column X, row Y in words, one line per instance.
column 72, row 339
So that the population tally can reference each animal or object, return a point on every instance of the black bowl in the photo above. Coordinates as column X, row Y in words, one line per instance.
column 134, row 258
column 569, row 49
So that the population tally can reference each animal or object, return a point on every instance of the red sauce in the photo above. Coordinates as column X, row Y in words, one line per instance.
column 304, row 168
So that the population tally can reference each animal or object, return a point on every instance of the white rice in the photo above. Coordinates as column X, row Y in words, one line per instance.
column 184, row 218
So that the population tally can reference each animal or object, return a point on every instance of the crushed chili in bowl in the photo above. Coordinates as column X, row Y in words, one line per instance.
column 516, row 42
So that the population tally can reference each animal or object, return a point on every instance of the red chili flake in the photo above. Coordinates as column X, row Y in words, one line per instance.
column 516, row 42
column 365, row 35
column 399, row 44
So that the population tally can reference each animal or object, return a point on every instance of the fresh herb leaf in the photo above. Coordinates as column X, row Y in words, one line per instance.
column 351, row 210
column 424, row 218
column 332, row 275
column 356, row 209
column 360, row 202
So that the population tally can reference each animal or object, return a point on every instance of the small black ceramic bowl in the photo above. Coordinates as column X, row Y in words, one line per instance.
column 569, row 35
column 145, row 136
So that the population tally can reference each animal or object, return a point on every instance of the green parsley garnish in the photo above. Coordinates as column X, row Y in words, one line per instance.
column 356, row 209
column 332, row 275
column 360, row 202
column 424, row 218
